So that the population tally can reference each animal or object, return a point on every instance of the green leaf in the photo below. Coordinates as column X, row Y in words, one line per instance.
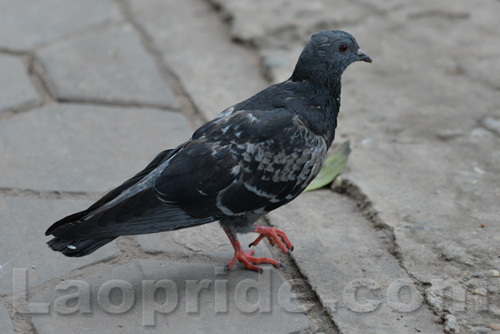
column 332, row 167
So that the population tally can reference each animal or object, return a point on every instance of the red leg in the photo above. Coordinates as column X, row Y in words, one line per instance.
column 274, row 236
column 246, row 258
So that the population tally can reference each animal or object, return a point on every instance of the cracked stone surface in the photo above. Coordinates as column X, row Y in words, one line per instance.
column 422, row 119
column 17, row 89
column 46, row 20
column 6, row 325
column 188, row 310
column 358, row 281
column 422, row 122
column 108, row 65
column 27, row 219
column 84, row 148
column 215, row 72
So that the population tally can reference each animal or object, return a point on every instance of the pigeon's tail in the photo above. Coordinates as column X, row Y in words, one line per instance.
column 77, row 248
column 71, row 247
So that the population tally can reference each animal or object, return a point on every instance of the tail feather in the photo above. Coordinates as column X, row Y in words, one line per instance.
column 77, row 248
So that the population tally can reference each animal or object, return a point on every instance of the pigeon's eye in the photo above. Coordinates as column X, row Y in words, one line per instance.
column 343, row 48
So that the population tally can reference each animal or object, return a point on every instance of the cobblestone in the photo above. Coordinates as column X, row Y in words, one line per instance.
column 46, row 20
column 82, row 148
column 107, row 65
column 424, row 169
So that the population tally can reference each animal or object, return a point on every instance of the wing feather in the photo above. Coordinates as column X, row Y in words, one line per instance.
column 242, row 162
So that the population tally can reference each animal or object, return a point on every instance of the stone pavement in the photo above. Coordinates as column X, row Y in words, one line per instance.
column 406, row 243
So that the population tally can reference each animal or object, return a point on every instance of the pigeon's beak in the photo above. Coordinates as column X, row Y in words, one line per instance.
column 362, row 56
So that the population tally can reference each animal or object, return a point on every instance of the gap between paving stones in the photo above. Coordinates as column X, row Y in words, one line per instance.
column 38, row 77
column 21, row 321
column 16, row 192
column 317, row 315
column 121, row 104
column 364, row 204
column 129, row 247
column 186, row 104
column 130, row 250
column 28, row 60
column 96, row 27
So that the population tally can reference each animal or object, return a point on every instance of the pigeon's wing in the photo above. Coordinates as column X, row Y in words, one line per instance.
column 245, row 161
column 162, row 156
column 275, row 168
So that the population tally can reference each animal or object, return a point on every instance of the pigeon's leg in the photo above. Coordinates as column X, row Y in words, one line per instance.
column 274, row 236
column 246, row 258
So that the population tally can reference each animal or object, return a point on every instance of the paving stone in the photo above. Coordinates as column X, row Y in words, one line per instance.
column 6, row 326
column 349, row 267
column 17, row 89
column 22, row 241
column 83, row 148
column 107, row 65
column 196, row 45
column 199, row 298
column 45, row 20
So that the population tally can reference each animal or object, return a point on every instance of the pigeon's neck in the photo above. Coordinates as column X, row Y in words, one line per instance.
column 324, row 96
column 324, row 83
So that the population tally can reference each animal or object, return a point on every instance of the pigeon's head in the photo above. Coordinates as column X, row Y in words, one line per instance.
column 328, row 53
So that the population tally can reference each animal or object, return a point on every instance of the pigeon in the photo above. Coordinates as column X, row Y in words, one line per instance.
column 252, row 158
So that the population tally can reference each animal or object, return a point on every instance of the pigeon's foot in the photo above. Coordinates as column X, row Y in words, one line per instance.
column 250, row 261
column 275, row 237
column 247, row 259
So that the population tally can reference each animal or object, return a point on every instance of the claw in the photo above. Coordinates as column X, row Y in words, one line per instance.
column 256, row 241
